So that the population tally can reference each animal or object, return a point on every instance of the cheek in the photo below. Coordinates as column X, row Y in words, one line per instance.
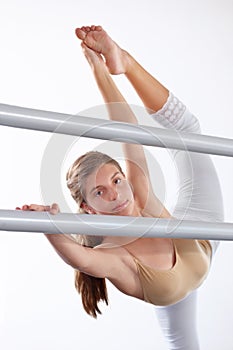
column 98, row 203
column 127, row 189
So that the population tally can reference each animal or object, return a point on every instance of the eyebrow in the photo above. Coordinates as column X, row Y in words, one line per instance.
column 112, row 177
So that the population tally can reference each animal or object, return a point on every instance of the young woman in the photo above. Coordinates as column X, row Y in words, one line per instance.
column 162, row 271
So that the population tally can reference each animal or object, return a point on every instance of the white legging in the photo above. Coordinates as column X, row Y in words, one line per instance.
column 196, row 201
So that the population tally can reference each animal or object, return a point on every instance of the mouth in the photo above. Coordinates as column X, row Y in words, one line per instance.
column 121, row 206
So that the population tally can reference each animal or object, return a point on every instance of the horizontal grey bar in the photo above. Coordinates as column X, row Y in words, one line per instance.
column 106, row 225
column 33, row 119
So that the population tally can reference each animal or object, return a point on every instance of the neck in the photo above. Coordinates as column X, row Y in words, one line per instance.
column 117, row 241
column 136, row 211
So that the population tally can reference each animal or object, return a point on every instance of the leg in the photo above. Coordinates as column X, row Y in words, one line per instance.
column 178, row 323
column 197, row 175
column 199, row 192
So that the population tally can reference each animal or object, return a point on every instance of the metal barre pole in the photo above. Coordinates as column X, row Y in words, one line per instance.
column 106, row 225
column 33, row 119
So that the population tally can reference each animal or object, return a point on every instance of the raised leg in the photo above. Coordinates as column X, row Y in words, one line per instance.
column 199, row 192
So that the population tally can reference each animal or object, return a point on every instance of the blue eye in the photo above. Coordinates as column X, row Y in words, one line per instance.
column 98, row 193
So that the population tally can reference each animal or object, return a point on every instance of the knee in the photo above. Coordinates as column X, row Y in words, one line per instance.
column 189, row 123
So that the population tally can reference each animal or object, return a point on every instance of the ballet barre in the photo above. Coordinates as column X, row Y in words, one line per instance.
column 107, row 225
column 77, row 125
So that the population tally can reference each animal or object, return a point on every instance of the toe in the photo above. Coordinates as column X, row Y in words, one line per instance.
column 80, row 33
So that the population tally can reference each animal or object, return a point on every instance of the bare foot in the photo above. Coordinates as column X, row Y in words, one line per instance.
column 99, row 41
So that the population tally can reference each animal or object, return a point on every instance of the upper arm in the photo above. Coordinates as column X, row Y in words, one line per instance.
column 137, row 169
column 100, row 262
column 96, row 262
column 138, row 175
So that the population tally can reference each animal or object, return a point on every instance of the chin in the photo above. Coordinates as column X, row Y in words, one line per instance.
column 127, row 211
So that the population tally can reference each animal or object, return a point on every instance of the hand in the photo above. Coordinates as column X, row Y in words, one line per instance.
column 53, row 209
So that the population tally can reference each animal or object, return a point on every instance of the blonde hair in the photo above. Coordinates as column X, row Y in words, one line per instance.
column 91, row 289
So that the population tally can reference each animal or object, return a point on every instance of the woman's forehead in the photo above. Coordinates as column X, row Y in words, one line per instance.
column 105, row 171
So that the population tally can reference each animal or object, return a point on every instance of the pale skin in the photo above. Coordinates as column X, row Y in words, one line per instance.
column 109, row 192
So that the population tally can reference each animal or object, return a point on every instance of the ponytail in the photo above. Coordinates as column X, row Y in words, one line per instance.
column 92, row 290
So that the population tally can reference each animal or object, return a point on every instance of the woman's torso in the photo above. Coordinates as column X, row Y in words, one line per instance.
column 160, row 271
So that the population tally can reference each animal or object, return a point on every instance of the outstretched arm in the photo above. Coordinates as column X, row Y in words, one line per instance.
column 119, row 110
column 95, row 262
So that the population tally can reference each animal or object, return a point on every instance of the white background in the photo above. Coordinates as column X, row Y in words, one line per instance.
column 188, row 46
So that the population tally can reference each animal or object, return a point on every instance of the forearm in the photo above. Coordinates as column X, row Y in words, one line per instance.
column 71, row 252
column 116, row 104
column 118, row 110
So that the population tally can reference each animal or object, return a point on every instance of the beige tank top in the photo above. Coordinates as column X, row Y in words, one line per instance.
column 164, row 287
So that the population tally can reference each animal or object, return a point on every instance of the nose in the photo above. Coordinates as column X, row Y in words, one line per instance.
column 113, row 194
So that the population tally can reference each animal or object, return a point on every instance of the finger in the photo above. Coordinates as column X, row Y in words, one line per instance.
column 54, row 209
column 47, row 208
column 25, row 207
column 36, row 207
column 18, row 208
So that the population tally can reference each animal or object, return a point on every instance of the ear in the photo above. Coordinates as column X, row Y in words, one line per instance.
column 87, row 208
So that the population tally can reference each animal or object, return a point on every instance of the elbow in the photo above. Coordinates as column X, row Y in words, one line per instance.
column 75, row 263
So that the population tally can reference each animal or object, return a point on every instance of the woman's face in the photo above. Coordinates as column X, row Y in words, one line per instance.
column 108, row 192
